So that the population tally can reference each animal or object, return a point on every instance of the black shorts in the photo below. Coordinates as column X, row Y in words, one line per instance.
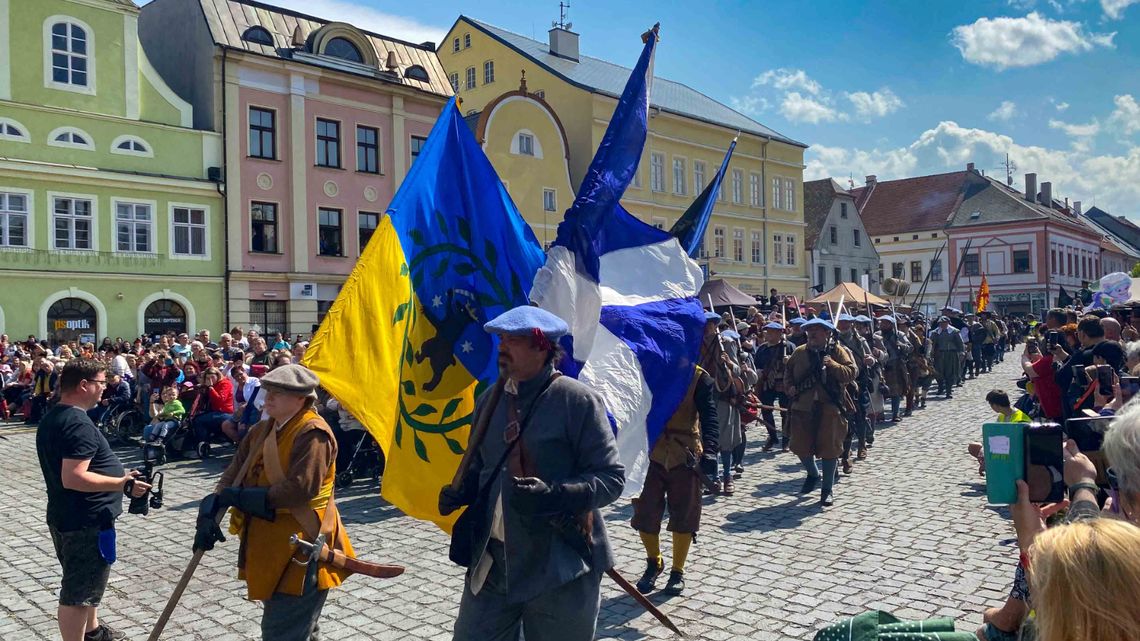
column 85, row 572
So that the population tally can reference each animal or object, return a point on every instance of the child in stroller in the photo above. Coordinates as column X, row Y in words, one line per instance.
column 168, row 413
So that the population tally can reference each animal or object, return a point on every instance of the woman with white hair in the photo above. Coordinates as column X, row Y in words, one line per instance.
column 1132, row 358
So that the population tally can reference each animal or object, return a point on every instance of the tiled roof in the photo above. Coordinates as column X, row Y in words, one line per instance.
column 989, row 201
column 229, row 19
column 607, row 78
column 910, row 204
column 818, row 196
column 1120, row 228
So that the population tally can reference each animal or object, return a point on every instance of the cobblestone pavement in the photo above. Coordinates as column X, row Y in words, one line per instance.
column 909, row 534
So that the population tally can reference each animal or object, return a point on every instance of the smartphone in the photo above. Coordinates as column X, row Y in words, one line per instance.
column 1104, row 376
column 1052, row 337
column 1088, row 433
column 1044, row 464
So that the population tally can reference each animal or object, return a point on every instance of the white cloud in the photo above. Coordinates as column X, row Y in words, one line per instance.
column 788, row 80
column 799, row 108
column 1004, row 43
column 1127, row 114
column 1114, row 9
column 750, row 104
column 1076, row 131
column 875, row 104
column 389, row 24
column 1059, row 105
column 1005, row 111
column 1112, row 181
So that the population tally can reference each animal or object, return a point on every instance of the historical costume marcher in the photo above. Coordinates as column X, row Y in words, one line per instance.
column 771, row 357
column 919, row 365
column 546, row 463
column 684, row 452
column 279, row 484
column 817, row 377
column 896, row 351
column 857, row 424
column 720, row 358
column 947, row 347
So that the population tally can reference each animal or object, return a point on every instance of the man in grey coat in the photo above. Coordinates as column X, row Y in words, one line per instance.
column 539, row 545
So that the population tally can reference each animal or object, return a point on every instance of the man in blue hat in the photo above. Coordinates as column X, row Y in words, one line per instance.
column 771, row 358
column 857, row 424
column 546, row 464
column 797, row 336
column 896, row 350
column 818, row 373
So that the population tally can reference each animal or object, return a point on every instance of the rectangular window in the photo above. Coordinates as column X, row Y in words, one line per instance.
column 268, row 317
column 466, row 41
column 854, row 275
column 416, row 146
column 679, row 176
column 262, row 133
column 789, row 194
column 777, row 193
column 72, row 223
column 857, row 237
column 366, row 224
column 549, row 200
column 882, row 271
column 896, row 270
column 637, row 176
column 1053, row 262
column 936, row 269
column 1070, row 260
column 916, row 271
column 368, row 149
column 833, row 232
column 189, row 231
column 838, row 273
column 698, row 175
column 778, row 248
column 790, row 246
column 13, row 220
column 718, row 242
column 328, row 143
column 971, row 265
column 526, row 144
column 263, row 227
column 330, row 239
column 820, row 279
column 659, row 222
column 470, row 78
column 133, row 225
column 657, row 172
column 1021, row 261
column 755, row 192
column 738, row 245
column 843, row 211
column 455, row 45
column 737, row 186
column 69, row 54
column 454, row 79
column 703, row 252
column 757, row 248
column 488, row 72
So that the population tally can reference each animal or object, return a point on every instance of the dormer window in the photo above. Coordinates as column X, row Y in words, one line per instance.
column 417, row 72
column 258, row 35
column 342, row 48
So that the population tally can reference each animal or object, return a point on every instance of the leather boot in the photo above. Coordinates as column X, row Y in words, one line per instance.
column 862, row 455
column 653, row 569
column 847, row 467
column 676, row 583
column 728, row 485
column 773, row 439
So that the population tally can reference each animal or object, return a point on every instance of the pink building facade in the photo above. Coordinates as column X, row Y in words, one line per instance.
column 321, row 122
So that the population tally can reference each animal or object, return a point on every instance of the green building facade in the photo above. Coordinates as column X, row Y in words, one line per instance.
column 110, row 224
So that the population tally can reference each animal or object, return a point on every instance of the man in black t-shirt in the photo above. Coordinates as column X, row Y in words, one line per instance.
column 85, row 485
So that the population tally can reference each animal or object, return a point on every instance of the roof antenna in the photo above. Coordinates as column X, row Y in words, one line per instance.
column 561, row 23
column 850, row 181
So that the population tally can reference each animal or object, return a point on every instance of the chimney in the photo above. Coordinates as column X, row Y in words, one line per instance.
column 1047, row 194
column 969, row 166
column 871, row 180
column 1031, row 187
column 1077, row 207
column 564, row 43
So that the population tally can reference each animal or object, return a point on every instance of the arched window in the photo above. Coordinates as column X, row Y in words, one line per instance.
column 13, row 131
column 416, row 72
column 71, row 319
column 71, row 137
column 342, row 48
column 69, row 53
column 258, row 35
column 162, row 316
column 131, row 146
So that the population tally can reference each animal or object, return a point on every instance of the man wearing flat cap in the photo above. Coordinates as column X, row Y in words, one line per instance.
column 947, row 347
column 818, row 374
column 545, row 465
column 771, row 358
column 280, row 483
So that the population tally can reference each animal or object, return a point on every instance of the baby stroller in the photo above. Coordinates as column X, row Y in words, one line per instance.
column 122, row 423
column 181, row 438
column 358, row 454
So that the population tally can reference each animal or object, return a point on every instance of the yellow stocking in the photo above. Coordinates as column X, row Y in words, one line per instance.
column 652, row 543
column 681, row 543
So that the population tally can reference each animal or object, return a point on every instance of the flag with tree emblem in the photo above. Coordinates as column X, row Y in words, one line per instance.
column 403, row 348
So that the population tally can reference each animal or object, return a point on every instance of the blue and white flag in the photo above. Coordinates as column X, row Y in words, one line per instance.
column 690, row 227
column 626, row 289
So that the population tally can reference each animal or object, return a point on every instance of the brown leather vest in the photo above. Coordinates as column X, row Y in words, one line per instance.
column 682, row 432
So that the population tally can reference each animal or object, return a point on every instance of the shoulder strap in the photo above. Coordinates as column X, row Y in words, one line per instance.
column 306, row 516
column 522, row 427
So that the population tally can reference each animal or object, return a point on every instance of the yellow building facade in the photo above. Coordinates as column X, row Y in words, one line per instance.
column 756, row 236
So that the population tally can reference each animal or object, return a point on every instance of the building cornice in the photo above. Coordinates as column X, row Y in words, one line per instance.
column 95, row 177
column 73, row 113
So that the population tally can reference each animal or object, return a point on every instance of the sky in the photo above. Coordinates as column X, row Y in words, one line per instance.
column 890, row 88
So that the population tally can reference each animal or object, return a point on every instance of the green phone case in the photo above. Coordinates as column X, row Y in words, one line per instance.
column 1003, row 445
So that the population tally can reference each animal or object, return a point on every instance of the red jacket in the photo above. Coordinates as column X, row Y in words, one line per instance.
column 222, row 396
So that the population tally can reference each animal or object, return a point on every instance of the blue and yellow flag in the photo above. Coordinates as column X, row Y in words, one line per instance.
column 403, row 347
